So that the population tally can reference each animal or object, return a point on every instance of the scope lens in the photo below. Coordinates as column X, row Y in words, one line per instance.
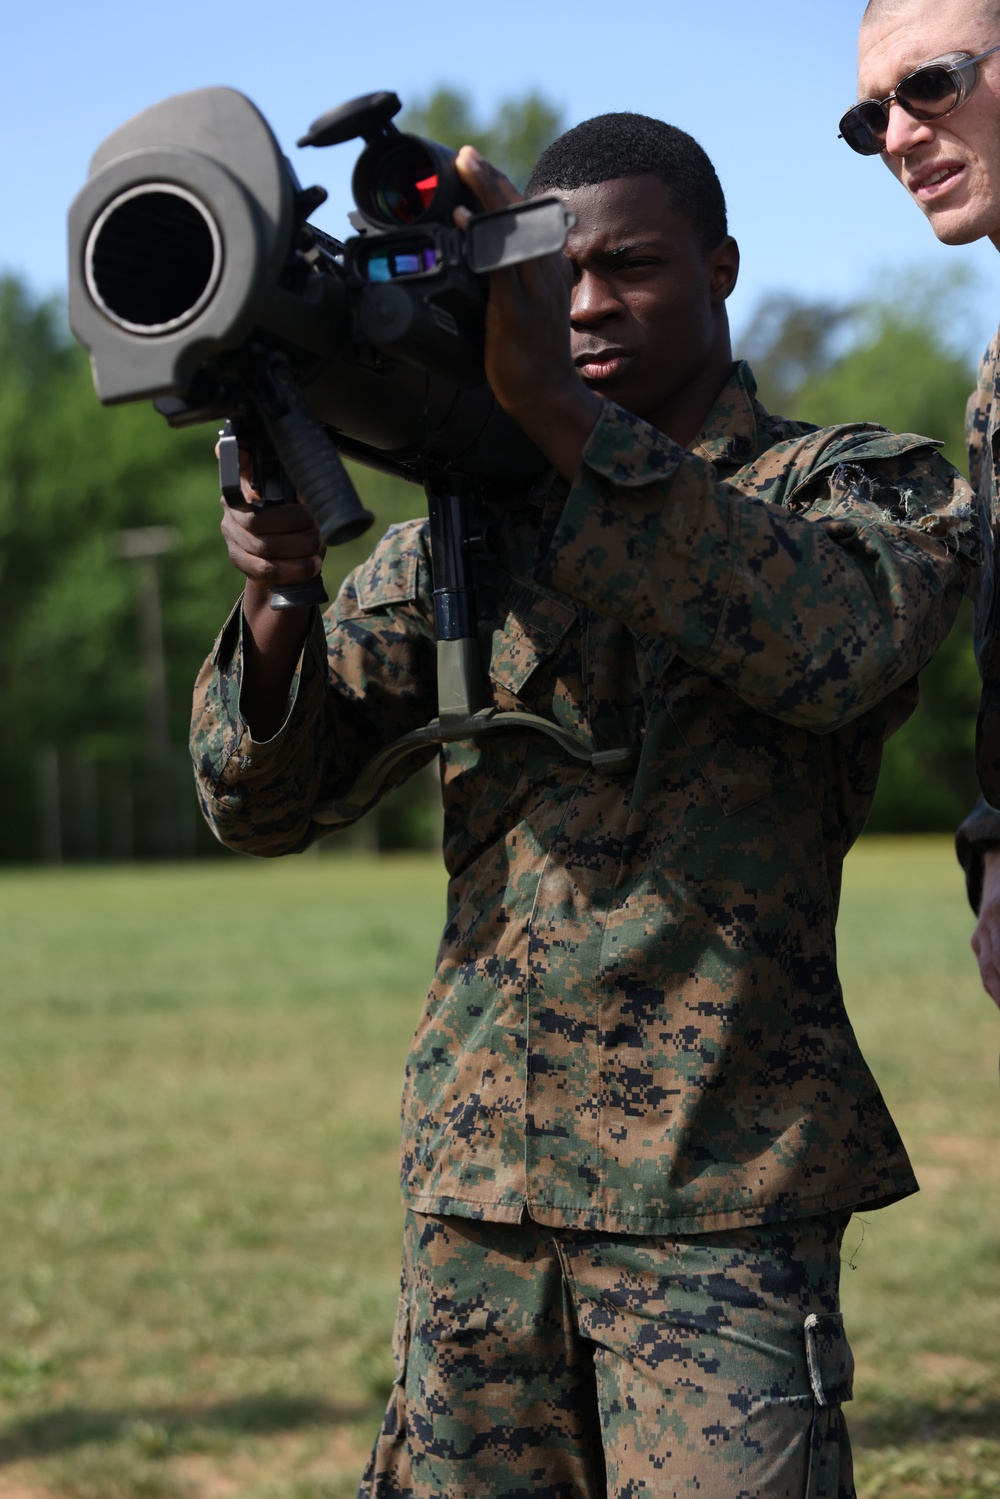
column 399, row 261
column 153, row 258
column 404, row 184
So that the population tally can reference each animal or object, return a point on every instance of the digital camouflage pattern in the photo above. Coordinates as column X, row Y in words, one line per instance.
column 561, row 1364
column 982, row 419
column 635, row 1023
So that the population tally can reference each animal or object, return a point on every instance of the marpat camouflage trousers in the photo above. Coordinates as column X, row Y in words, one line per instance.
column 541, row 1363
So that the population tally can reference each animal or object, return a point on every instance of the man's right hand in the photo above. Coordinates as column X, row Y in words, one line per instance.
column 986, row 937
column 528, row 358
column 272, row 547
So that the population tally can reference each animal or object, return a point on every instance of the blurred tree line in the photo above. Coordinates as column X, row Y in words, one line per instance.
column 77, row 768
column 84, row 490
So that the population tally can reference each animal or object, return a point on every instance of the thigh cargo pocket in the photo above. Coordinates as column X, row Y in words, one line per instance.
column 388, row 1470
column 401, row 1337
column 829, row 1359
column 831, row 1373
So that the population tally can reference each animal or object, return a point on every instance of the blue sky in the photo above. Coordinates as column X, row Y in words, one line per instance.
column 760, row 84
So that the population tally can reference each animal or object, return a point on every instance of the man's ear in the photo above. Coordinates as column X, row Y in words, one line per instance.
column 723, row 269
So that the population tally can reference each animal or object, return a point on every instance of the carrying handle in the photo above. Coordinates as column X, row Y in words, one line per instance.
column 307, row 453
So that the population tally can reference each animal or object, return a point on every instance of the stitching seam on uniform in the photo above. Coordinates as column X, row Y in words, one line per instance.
column 746, row 1216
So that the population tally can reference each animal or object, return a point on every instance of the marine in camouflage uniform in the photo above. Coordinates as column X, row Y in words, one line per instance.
column 981, row 829
column 940, row 142
column 636, row 1026
column 635, row 1115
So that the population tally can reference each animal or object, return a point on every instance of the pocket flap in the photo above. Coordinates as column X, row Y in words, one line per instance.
column 829, row 1357
column 401, row 1334
column 390, row 575
column 658, row 652
column 534, row 626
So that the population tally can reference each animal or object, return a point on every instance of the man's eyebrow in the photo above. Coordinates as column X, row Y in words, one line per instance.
column 901, row 71
column 621, row 252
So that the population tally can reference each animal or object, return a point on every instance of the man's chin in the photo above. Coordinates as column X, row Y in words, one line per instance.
column 949, row 234
column 618, row 388
column 957, row 228
column 600, row 387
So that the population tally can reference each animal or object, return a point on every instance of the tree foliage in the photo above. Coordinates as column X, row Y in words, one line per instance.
column 788, row 342
column 897, row 358
column 74, row 475
column 513, row 141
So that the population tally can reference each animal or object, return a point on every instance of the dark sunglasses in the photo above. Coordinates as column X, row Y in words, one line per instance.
column 929, row 93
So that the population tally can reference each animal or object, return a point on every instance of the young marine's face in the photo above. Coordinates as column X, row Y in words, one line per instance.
column 645, row 306
column 950, row 167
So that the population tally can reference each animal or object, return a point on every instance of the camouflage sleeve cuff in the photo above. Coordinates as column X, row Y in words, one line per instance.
column 980, row 831
column 232, row 769
column 629, row 451
column 304, row 693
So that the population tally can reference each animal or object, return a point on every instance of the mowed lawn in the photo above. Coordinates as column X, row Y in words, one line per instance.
column 199, row 1078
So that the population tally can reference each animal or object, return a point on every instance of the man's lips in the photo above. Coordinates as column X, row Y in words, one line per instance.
column 934, row 179
column 601, row 364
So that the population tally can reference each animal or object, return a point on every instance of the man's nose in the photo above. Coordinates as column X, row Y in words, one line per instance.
column 592, row 301
column 904, row 133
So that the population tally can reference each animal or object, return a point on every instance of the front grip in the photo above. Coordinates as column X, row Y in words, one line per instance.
column 309, row 457
column 296, row 595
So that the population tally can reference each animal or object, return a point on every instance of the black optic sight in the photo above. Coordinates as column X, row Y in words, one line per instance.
column 399, row 179
column 195, row 279
column 406, row 190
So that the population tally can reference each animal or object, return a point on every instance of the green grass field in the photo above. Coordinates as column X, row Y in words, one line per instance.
column 199, row 1083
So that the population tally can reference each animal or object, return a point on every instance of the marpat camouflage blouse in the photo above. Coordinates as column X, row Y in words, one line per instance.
column 635, row 1021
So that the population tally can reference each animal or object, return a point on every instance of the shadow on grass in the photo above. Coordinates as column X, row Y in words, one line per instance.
column 915, row 1423
column 180, row 1427
column 74, row 1426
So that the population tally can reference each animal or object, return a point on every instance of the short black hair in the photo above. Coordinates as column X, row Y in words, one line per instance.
column 631, row 145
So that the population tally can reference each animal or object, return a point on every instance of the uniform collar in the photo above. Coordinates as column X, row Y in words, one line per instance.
column 731, row 434
column 736, row 431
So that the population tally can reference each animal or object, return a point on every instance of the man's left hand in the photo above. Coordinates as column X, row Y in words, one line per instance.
column 528, row 360
column 986, row 937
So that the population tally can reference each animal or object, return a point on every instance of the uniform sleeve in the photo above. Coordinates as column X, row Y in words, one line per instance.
column 977, row 414
column 978, row 421
column 365, row 677
column 822, row 583
column 979, row 831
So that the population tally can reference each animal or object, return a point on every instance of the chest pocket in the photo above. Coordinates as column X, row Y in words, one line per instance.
column 484, row 782
column 657, row 657
column 743, row 755
column 391, row 575
column 526, row 629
